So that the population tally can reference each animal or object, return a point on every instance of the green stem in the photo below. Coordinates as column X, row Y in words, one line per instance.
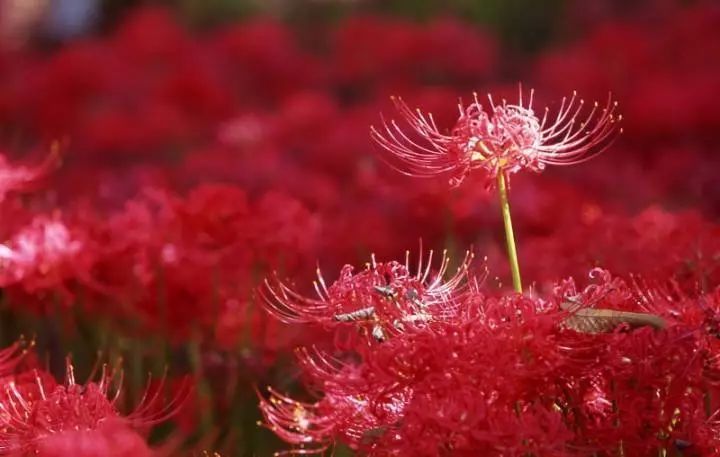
column 509, row 236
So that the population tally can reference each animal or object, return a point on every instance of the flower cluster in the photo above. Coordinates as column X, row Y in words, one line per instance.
column 613, row 367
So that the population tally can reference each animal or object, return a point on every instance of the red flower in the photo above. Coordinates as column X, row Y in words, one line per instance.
column 43, row 256
column 384, row 297
column 39, row 416
column 511, row 376
column 298, row 423
column 506, row 139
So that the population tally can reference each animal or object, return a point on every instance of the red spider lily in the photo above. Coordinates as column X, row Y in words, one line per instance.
column 43, row 255
column 345, row 413
column 46, row 243
column 505, row 139
column 298, row 423
column 384, row 296
column 390, row 402
column 37, row 414
column 475, row 374
column 506, row 375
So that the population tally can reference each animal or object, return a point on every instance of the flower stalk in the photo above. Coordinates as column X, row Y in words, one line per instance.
column 509, row 235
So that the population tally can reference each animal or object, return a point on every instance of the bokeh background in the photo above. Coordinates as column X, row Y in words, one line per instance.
column 207, row 143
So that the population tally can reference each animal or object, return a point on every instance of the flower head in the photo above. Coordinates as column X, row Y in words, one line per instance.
column 112, row 438
column 38, row 414
column 498, row 138
column 45, row 258
column 383, row 297
column 507, row 375
column 39, row 249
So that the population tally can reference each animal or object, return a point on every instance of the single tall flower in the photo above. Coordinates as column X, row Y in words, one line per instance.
column 501, row 141
column 498, row 138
